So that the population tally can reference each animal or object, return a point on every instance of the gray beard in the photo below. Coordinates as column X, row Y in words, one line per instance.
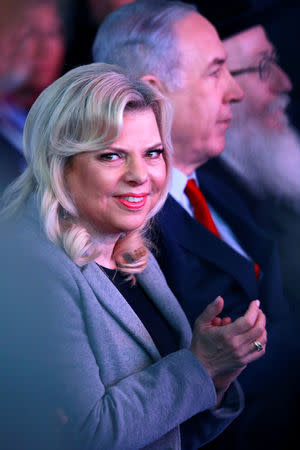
column 267, row 162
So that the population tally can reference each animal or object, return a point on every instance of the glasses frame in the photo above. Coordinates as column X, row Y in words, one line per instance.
column 264, row 67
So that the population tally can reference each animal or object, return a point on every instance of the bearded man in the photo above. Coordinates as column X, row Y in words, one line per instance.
column 262, row 154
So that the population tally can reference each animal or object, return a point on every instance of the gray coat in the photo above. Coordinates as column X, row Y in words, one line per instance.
column 111, row 386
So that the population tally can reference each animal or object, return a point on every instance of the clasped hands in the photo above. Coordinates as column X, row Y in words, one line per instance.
column 225, row 347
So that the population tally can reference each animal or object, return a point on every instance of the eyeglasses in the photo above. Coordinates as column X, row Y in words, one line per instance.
column 264, row 67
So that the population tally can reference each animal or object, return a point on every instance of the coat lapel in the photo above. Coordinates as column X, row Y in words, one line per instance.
column 156, row 287
column 111, row 299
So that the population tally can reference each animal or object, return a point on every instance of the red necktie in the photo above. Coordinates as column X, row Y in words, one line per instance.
column 202, row 213
column 201, row 210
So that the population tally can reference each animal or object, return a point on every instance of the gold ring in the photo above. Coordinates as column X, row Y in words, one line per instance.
column 257, row 346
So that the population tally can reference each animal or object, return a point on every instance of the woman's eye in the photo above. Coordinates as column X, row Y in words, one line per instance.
column 153, row 154
column 109, row 156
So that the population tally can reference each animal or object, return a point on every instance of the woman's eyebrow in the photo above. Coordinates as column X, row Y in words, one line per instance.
column 119, row 149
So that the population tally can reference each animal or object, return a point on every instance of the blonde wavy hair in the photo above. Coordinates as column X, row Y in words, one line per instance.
column 81, row 112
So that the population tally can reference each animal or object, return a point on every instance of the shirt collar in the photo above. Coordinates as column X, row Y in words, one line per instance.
column 178, row 183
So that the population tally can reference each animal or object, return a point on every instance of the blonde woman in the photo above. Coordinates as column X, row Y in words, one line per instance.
column 92, row 325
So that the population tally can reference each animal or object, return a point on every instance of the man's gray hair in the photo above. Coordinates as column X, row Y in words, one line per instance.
column 140, row 38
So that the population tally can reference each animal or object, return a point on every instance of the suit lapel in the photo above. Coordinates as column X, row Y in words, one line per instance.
column 213, row 179
column 262, row 250
column 112, row 300
column 253, row 240
column 195, row 238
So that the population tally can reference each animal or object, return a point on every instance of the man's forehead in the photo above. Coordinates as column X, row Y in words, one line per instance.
column 248, row 46
column 198, row 39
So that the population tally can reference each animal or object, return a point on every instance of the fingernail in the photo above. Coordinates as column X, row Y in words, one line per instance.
column 257, row 303
column 217, row 299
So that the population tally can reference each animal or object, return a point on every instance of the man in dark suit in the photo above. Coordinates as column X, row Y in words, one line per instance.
column 174, row 48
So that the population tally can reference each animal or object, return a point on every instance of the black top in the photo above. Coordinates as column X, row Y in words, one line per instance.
column 159, row 329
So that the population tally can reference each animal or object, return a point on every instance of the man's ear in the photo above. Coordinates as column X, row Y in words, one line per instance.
column 154, row 81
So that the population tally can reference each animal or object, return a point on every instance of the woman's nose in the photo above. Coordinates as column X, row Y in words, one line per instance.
column 136, row 172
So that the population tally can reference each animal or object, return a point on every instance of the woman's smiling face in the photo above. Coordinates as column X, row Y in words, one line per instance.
column 115, row 189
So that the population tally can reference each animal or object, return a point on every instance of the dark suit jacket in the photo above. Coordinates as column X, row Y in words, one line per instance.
column 278, row 219
column 199, row 267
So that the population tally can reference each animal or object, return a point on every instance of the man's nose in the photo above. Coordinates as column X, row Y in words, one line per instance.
column 234, row 92
column 280, row 81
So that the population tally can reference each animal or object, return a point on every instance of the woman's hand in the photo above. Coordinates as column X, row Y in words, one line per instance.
column 225, row 347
